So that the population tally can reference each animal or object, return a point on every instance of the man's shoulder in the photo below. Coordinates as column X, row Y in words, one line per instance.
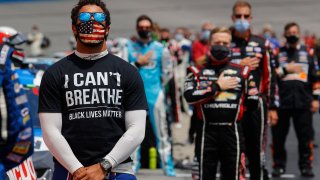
column 121, row 63
column 258, row 39
column 60, row 64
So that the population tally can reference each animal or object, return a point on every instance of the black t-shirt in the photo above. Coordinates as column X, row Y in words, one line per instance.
column 92, row 96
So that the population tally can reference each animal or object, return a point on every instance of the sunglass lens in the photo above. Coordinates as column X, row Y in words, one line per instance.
column 84, row 16
column 99, row 17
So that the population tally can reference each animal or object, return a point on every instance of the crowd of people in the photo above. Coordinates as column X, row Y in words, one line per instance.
column 233, row 84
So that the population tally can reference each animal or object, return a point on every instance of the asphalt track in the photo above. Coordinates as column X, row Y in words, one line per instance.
column 53, row 18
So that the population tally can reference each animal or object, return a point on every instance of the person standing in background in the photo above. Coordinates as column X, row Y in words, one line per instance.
column 154, row 63
column 254, row 51
column 35, row 39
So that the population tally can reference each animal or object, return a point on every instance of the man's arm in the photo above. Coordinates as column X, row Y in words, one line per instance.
column 193, row 93
column 51, row 124
column 135, row 122
column 167, row 66
column 135, row 130
column 197, row 91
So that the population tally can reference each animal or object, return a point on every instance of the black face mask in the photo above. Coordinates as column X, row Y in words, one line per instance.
column 165, row 40
column 220, row 52
column 292, row 39
column 144, row 34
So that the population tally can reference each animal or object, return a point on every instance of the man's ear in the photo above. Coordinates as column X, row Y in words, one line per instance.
column 74, row 30
column 107, row 30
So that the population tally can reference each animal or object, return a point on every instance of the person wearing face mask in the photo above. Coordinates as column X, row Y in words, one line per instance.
column 299, row 89
column 154, row 63
column 254, row 51
column 200, row 47
column 222, row 90
column 172, row 89
column 92, row 105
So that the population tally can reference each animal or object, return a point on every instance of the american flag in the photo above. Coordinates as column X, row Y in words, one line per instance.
column 92, row 32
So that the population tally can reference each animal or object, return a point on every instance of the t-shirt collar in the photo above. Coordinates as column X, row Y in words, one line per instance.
column 93, row 56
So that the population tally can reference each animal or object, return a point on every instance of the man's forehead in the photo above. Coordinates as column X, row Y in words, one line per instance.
column 91, row 8
column 144, row 22
column 240, row 9
column 221, row 35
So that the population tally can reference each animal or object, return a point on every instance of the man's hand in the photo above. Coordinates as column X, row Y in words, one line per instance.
column 226, row 83
column 293, row 68
column 95, row 172
column 145, row 59
column 314, row 106
column 80, row 174
column 253, row 63
column 273, row 117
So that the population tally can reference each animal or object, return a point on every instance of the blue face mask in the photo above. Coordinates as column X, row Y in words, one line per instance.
column 205, row 34
column 179, row 36
column 241, row 25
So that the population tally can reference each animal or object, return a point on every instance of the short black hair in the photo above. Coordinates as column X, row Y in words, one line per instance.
column 290, row 25
column 81, row 3
column 144, row 17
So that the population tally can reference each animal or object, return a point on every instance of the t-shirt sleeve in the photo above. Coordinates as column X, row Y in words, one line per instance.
column 49, row 93
column 135, row 97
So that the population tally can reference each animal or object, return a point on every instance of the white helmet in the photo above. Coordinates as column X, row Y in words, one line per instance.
column 6, row 32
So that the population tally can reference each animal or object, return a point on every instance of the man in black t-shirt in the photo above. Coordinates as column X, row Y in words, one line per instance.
column 92, row 105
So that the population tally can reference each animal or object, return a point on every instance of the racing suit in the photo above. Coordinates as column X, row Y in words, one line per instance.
column 255, row 122
column 16, row 138
column 154, row 75
column 222, row 138
column 297, row 90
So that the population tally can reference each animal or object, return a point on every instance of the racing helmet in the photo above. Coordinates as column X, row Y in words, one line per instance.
column 6, row 32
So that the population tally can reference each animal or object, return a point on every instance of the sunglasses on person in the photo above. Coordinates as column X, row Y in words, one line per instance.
column 97, row 16
column 238, row 16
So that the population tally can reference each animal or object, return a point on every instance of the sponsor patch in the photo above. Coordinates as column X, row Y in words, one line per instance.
column 208, row 72
column 24, row 112
column 303, row 58
column 21, row 99
column 25, row 134
column 25, row 119
column 229, row 71
column 221, row 105
column 225, row 96
column 257, row 49
column 13, row 157
column 3, row 54
column 201, row 92
column 252, row 84
column 21, row 147
column 17, row 87
column 204, row 84
column 236, row 50
column 249, row 49
column 252, row 43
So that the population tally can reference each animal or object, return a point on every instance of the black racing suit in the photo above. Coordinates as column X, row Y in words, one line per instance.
column 297, row 90
column 222, row 139
column 255, row 122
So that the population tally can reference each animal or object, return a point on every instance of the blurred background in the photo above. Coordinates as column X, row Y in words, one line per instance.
column 53, row 16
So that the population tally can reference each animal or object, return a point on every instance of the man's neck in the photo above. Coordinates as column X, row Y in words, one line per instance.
column 293, row 46
column 242, row 35
column 91, row 50
column 145, row 41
